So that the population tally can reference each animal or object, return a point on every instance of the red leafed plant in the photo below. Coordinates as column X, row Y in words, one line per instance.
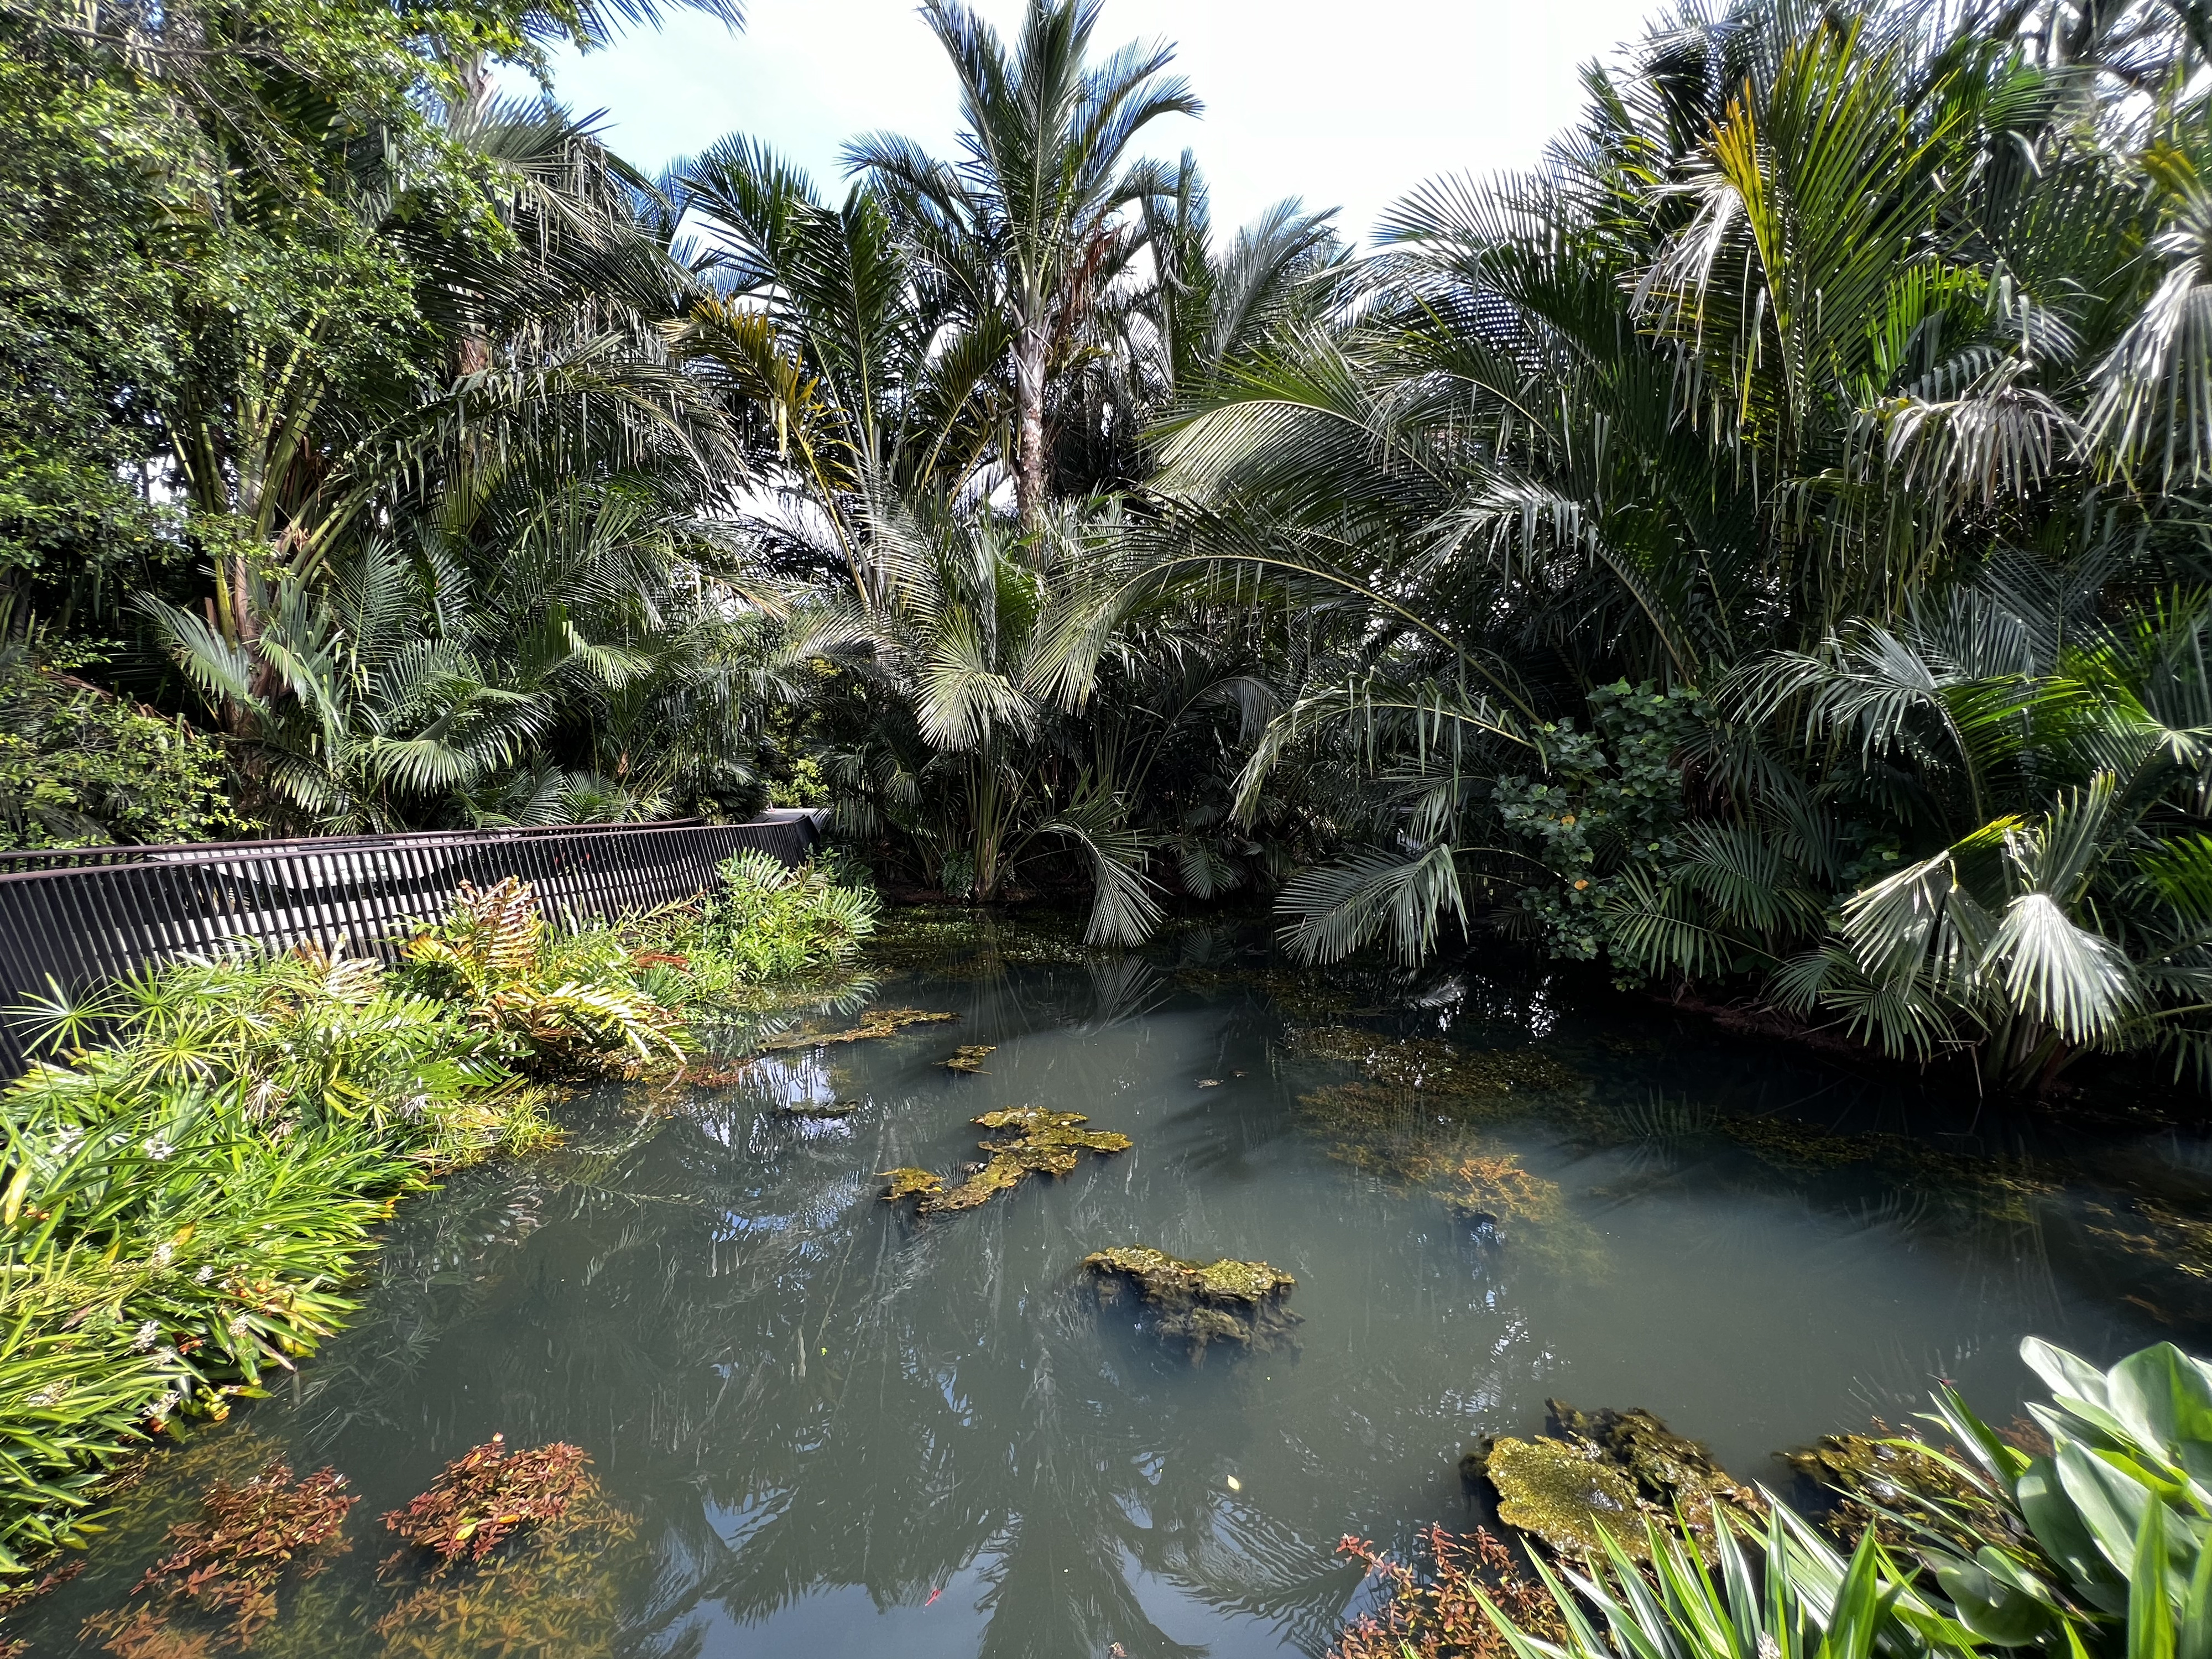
column 229, row 1562
column 1437, row 1614
column 479, row 1500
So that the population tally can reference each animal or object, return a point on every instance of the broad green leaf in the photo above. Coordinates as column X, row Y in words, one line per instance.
column 2196, row 1620
column 2165, row 1398
column 1995, row 1611
column 2058, row 1526
column 2150, row 1615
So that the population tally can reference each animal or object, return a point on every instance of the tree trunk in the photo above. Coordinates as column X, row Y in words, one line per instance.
column 1029, row 404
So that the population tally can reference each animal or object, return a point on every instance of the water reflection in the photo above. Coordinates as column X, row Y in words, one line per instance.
column 834, row 1427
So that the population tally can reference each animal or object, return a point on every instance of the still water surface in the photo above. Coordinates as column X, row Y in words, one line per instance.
column 835, row 1431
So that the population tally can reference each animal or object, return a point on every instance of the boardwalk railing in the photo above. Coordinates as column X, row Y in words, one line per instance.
column 81, row 916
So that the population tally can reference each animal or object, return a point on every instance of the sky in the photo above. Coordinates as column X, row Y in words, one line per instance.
column 1348, row 104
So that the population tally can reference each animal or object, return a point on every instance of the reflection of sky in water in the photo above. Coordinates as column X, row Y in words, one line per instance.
column 823, row 1412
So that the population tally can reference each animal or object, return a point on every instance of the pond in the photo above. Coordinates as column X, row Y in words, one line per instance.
column 820, row 1424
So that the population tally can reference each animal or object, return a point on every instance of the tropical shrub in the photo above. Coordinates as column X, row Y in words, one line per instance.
column 762, row 922
column 2108, row 1547
column 2096, row 1545
column 183, row 1200
column 188, row 1181
column 1900, row 482
column 548, row 996
column 81, row 767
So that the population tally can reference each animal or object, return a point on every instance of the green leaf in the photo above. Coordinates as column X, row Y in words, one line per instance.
column 1992, row 1609
column 2150, row 1615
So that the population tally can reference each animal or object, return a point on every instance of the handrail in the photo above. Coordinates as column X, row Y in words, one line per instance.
column 80, row 926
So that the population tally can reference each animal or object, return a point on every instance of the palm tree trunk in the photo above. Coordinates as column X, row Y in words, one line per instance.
column 1029, row 404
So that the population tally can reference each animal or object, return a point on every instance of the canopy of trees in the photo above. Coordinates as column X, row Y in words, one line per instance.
column 1763, row 548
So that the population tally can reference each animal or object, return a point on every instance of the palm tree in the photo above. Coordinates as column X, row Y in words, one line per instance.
column 1693, row 395
column 1027, row 225
column 857, row 378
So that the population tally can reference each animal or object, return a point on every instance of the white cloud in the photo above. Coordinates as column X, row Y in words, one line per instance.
column 1344, row 105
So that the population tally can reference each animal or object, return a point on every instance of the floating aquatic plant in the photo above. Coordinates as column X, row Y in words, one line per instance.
column 908, row 1181
column 482, row 1498
column 875, row 1023
column 970, row 1058
column 222, row 1574
column 1032, row 1141
column 1195, row 1303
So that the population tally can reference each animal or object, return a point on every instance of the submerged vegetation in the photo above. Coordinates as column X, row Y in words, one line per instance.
column 519, row 1545
column 483, row 1498
column 227, row 1565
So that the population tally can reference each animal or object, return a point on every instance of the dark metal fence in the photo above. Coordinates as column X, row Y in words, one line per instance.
column 79, row 917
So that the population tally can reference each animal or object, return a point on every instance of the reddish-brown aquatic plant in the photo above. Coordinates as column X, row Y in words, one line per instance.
column 227, row 1563
column 558, row 1590
column 481, row 1499
column 1437, row 1614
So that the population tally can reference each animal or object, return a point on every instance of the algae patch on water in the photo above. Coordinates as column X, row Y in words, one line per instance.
column 1031, row 1141
column 1197, row 1304
column 1459, row 1082
column 970, row 1058
column 1562, row 1492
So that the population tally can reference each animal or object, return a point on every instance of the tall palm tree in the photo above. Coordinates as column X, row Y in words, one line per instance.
column 1028, row 223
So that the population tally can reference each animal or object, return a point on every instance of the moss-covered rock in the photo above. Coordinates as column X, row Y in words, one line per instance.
column 1610, row 1469
column 1195, row 1303
column 1561, row 1492
column 1873, row 1479
column 1672, row 1473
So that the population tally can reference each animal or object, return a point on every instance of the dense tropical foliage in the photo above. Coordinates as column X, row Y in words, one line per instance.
column 1759, row 549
